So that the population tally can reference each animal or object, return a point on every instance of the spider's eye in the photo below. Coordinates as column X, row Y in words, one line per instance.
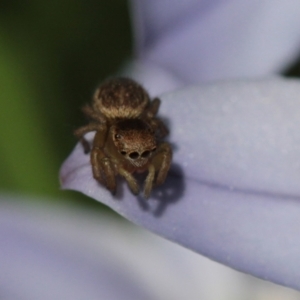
column 117, row 136
column 133, row 155
column 123, row 152
column 153, row 149
column 145, row 154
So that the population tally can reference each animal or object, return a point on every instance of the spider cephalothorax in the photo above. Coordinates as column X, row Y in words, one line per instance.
column 128, row 136
column 135, row 141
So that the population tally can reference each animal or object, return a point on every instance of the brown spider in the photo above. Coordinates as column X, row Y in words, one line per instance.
column 127, row 136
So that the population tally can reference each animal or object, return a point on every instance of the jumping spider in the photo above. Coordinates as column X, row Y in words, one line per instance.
column 128, row 136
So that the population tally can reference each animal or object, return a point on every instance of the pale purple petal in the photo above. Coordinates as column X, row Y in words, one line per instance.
column 48, row 254
column 64, row 252
column 233, row 193
column 210, row 40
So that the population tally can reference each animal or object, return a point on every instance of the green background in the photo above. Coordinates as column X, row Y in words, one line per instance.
column 52, row 56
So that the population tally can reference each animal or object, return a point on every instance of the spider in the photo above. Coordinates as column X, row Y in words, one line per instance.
column 128, row 136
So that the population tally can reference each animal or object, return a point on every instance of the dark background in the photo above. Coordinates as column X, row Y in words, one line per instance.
column 52, row 56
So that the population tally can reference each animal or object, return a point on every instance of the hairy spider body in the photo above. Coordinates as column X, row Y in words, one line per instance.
column 128, row 136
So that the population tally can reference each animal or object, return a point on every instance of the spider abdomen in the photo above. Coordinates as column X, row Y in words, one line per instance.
column 120, row 98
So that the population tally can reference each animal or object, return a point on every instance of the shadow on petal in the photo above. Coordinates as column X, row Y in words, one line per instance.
column 167, row 194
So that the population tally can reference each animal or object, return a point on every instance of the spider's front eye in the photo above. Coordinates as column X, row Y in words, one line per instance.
column 133, row 155
column 117, row 136
column 123, row 152
column 153, row 149
column 145, row 154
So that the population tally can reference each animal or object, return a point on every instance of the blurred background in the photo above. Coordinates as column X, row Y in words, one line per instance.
column 52, row 56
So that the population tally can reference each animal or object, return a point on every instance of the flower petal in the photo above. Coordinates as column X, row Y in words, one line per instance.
column 63, row 252
column 233, row 193
column 44, row 255
column 209, row 40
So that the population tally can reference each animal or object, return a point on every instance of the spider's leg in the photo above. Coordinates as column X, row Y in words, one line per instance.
column 162, row 162
column 153, row 108
column 132, row 183
column 149, row 181
column 102, row 166
column 159, row 127
column 89, row 112
column 103, row 170
column 81, row 131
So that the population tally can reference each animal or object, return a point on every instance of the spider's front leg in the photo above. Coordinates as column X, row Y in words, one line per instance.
column 132, row 183
column 102, row 166
column 161, row 163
